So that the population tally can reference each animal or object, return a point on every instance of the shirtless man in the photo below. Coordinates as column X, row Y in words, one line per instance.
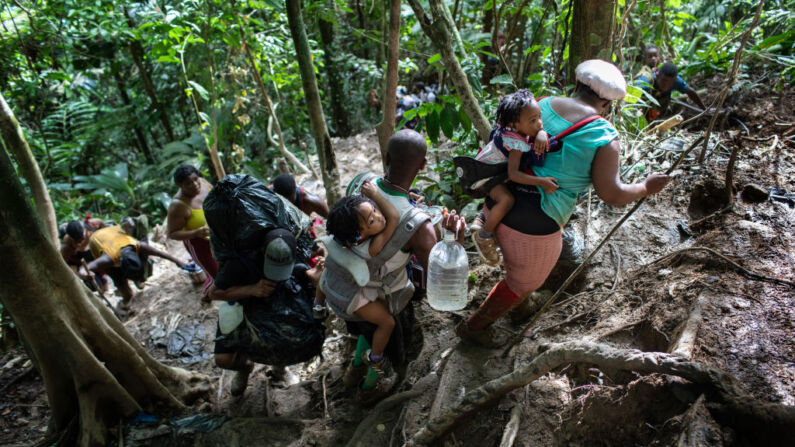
column 285, row 186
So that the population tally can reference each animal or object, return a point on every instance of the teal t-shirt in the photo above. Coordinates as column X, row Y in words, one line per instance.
column 572, row 164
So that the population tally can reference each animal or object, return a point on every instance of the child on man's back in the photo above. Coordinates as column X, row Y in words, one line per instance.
column 364, row 224
column 518, row 121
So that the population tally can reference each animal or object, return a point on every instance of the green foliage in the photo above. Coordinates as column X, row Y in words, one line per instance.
column 81, row 78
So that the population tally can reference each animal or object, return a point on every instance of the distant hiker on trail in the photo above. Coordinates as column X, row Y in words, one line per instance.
column 346, row 277
column 519, row 140
column 651, row 60
column 262, row 248
column 284, row 185
column 530, row 234
column 364, row 224
column 186, row 221
column 661, row 84
column 122, row 257
column 74, row 245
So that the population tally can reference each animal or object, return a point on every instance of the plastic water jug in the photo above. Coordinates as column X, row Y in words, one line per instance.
column 448, row 273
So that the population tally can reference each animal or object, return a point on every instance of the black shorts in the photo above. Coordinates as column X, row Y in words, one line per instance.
column 526, row 216
column 223, row 343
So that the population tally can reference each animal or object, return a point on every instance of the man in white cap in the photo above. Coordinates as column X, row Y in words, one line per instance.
column 530, row 234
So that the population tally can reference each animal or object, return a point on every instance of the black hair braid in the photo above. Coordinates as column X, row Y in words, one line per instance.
column 511, row 106
column 343, row 220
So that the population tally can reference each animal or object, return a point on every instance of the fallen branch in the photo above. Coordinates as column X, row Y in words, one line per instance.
column 585, row 262
column 738, row 267
column 684, row 346
column 735, row 408
column 698, row 222
column 325, row 400
column 512, row 428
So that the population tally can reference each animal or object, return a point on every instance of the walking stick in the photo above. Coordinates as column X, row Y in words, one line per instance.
column 97, row 288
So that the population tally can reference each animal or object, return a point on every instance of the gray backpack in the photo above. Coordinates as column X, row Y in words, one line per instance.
column 346, row 273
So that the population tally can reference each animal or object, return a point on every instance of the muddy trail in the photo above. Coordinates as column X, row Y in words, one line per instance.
column 687, row 273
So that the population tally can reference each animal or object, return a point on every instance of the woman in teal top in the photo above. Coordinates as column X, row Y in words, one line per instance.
column 572, row 164
column 530, row 234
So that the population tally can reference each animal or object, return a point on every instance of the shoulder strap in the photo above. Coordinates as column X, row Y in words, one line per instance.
column 577, row 126
column 410, row 222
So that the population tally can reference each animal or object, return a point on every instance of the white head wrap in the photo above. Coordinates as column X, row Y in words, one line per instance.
column 603, row 78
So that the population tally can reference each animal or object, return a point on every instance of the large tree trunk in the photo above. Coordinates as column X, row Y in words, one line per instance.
column 591, row 27
column 338, row 114
column 325, row 151
column 94, row 371
column 440, row 32
column 137, row 51
column 16, row 144
column 386, row 127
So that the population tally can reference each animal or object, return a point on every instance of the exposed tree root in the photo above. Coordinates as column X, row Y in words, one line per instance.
column 727, row 401
column 737, row 267
column 368, row 424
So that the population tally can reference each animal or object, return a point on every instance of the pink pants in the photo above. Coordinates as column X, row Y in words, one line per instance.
column 201, row 253
column 528, row 260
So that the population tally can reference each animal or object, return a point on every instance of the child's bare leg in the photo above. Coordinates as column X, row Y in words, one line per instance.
column 320, row 297
column 375, row 312
column 505, row 201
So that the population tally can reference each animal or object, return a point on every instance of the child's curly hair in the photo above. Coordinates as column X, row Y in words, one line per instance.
column 343, row 220
column 511, row 107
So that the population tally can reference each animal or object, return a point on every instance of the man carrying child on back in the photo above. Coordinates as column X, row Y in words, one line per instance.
column 384, row 277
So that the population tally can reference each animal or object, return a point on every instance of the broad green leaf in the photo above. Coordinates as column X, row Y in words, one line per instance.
column 200, row 90
column 504, row 79
column 436, row 57
column 633, row 94
column 432, row 126
column 466, row 123
column 448, row 120
column 168, row 58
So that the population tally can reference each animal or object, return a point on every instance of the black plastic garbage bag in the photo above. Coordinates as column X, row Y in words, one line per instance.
column 279, row 330
column 240, row 210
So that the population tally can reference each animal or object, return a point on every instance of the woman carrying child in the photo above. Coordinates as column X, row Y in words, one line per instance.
column 518, row 122
column 364, row 224
column 530, row 234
